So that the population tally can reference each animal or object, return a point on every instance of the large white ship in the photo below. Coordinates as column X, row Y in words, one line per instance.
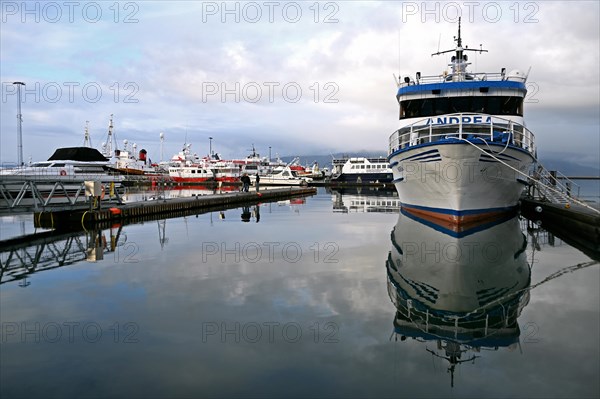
column 462, row 152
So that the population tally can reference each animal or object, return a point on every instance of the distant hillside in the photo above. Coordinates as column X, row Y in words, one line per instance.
column 325, row 160
column 568, row 168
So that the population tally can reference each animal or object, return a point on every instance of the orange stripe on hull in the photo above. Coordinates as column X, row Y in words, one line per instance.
column 456, row 223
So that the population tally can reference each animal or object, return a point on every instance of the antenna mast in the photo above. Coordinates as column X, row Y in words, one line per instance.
column 458, row 62
column 108, row 146
column 87, row 139
column 19, row 124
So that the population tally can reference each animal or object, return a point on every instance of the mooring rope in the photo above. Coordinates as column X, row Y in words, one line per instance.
column 529, row 177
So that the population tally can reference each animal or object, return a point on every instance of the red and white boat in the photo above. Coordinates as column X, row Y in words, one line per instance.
column 185, row 167
column 191, row 173
column 225, row 171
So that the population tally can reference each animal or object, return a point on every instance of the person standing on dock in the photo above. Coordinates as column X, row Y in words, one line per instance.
column 257, row 182
column 245, row 182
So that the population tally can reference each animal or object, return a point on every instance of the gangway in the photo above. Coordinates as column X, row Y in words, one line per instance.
column 27, row 196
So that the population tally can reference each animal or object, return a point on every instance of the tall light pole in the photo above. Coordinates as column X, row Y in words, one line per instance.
column 162, row 139
column 269, row 153
column 210, row 147
column 19, row 124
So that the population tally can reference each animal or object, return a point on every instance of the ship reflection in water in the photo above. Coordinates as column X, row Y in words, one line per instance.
column 458, row 292
column 364, row 199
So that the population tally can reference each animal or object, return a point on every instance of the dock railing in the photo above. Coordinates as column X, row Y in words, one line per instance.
column 563, row 188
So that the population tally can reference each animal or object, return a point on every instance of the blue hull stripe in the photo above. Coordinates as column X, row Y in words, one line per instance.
column 398, row 180
column 419, row 154
column 489, row 158
column 436, row 156
column 499, row 156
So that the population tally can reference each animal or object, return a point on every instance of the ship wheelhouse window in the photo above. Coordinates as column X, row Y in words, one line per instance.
column 494, row 105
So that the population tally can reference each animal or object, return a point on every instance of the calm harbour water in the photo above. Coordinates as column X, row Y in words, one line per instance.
column 325, row 297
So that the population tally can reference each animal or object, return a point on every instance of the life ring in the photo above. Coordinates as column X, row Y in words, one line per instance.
column 102, row 188
column 63, row 172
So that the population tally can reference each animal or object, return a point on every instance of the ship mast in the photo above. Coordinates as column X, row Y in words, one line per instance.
column 107, row 147
column 87, row 139
column 458, row 62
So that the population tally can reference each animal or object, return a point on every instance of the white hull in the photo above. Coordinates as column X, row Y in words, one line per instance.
column 266, row 180
column 458, row 182
column 283, row 177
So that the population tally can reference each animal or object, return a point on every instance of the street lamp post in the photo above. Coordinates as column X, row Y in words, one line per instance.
column 162, row 139
column 19, row 124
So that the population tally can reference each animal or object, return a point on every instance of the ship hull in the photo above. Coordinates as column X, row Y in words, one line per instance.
column 193, row 180
column 459, row 183
column 363, row 178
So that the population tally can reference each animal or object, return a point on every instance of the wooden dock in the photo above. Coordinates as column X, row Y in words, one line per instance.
column 575, row 225
column 79, row 218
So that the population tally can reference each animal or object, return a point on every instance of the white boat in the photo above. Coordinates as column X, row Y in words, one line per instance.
column 70, row 166
column 125, row 161
column 282, row 177
column 462, row 151
column 361, row 170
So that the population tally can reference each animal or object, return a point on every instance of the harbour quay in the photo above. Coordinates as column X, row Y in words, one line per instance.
column 68, row 219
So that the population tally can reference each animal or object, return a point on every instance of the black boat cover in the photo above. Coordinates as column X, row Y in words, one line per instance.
column 85, row 154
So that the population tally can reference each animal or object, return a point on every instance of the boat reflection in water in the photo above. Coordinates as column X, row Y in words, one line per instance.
column 458, row 291
column 364, row 199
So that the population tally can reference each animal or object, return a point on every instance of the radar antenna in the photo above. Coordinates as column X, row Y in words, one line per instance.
column 459, row 60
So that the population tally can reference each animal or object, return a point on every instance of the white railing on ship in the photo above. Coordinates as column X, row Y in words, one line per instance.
column 479, row 76
column 491, row 129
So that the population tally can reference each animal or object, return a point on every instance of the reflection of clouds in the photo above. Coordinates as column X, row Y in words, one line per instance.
column 170, row 293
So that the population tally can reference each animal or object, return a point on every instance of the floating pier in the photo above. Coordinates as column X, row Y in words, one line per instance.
column 349, row 184
column 78, row 218
column 576, row 225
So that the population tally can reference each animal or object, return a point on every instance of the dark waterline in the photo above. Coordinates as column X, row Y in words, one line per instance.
column 300, row 301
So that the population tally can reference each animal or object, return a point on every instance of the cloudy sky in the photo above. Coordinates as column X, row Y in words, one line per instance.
column 301, row 77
